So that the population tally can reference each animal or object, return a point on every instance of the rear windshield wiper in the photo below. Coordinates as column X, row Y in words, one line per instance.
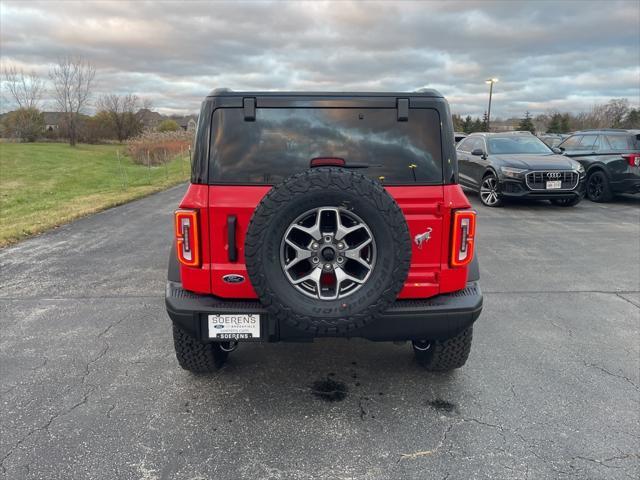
column 338, row 162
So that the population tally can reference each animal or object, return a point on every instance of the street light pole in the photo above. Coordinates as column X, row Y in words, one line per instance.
column 490, row 81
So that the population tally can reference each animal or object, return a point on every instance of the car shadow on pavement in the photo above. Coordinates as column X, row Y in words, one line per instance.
column 306, row 376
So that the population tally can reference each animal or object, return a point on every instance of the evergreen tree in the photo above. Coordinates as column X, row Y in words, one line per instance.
column 485, row 122
column 467, row 124
column 527, row 124
column 565, row 123
column 555, row 125
column 457, row 122
column 476, row 126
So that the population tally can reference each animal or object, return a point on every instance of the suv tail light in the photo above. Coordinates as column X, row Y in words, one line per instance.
column 632, row 158
column 462, row 238
column 187, row 237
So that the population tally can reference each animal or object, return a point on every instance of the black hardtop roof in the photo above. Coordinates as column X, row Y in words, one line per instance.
column 225, row 92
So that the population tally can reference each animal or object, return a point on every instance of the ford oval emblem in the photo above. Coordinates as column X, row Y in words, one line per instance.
column 233, row 278
column 218, row 326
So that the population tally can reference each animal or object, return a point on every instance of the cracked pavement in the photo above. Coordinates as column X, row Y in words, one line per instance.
column 91, row 389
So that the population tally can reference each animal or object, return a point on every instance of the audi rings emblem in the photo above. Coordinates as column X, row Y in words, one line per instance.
column 554, row 174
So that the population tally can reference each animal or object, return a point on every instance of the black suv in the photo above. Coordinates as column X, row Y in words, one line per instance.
column 611, row 159
column 518, row 164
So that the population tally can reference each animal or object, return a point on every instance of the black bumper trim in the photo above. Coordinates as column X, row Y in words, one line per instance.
column 628, row 185
column 438, row 317
column 518, row 189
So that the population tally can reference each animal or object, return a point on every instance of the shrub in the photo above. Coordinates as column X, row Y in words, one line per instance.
column 168, row 126
column 156, row 148
column 26, row 124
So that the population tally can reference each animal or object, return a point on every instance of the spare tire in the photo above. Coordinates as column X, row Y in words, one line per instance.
column 327, row 250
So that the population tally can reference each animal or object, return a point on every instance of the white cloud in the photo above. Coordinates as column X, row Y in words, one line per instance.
column 565, row 55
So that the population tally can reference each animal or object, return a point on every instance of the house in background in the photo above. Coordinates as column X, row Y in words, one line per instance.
column 149, row 118
column 188, row 122
column 53, row 121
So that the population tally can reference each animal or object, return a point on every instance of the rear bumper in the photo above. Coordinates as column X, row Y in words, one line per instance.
column 627, row 185
column 434, row 318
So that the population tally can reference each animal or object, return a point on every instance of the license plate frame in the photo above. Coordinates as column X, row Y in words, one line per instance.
column 554, row 184
column 234, row 326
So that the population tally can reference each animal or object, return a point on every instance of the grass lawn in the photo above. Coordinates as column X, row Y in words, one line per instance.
column 43, row 185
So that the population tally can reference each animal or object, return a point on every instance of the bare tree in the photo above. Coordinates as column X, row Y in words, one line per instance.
column 72, row 79
column 26, row 89
column 121, row 110
column 615, row 112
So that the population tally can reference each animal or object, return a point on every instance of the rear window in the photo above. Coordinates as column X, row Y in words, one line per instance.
column 622, row 142
column 282, row 141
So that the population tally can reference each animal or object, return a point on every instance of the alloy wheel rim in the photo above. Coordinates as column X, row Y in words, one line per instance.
column 595, row 186
column 488, row 191
column 328, row 253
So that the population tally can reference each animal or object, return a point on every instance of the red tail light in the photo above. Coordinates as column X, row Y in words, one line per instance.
column 187, row 237
column 462, row 238
column 632, row 158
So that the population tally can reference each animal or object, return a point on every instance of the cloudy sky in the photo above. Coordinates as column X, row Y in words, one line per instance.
column 547, row 55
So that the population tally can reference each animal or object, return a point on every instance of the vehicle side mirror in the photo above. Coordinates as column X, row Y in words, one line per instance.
column 561, row 149
column 478, row 152
column 557, row 150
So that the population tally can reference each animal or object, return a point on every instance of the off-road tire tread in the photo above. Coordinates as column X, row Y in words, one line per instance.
column 196, row 356
column 327, row 179
column 445, row 355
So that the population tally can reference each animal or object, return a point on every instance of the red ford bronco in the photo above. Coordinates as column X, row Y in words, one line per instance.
column 323, row 215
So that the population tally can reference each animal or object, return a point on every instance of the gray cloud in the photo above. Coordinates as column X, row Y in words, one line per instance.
column 548, row 55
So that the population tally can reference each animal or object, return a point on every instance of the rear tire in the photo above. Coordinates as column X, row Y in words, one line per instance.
column 566, row 202
column 197, row 356
column 598, row 189
column 444, row 355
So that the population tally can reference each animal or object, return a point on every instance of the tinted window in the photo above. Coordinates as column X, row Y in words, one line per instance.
column 472, row 143
column 465, row 145
column 517, row 144
column 477, row 143
column 621, row 142
column 601, row 144
column 552, row 141
column 571, row 143
column 587, row 142
column 282, row 141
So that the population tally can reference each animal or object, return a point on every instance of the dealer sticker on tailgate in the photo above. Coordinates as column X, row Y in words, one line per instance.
column 234, row 326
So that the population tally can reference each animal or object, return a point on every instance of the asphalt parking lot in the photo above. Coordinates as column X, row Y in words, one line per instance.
column 91, row 388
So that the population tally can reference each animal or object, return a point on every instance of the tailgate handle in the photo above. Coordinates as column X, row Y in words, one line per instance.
column 403, row 109
column 249, row 108
column 231, row 238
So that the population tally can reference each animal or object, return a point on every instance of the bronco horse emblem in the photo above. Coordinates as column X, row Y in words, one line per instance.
column 422, row 238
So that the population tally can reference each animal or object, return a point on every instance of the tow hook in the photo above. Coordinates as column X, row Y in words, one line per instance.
column 229, row 346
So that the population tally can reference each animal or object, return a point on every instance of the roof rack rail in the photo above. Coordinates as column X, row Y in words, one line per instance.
column 506, row 132
column 603, row 130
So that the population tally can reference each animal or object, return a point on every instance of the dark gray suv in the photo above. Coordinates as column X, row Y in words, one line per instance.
column 611, row 159
column 518, row 164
